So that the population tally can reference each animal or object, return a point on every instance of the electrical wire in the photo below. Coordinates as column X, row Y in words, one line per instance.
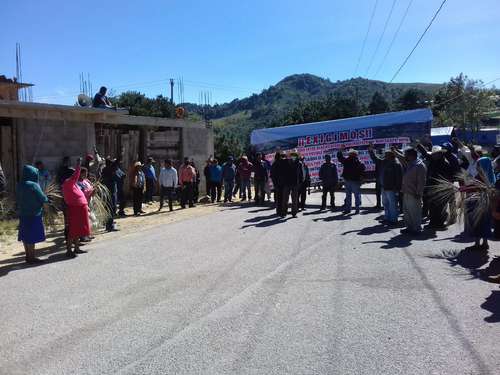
column 157, row 83
column 366, row 37
column 393, row 38
column 387, row 20
column 418, row 42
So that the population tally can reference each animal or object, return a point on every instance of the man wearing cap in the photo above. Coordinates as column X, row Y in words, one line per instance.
column 391, row 175
column 228, row 176
column 150, row 173
column 353, row 176
column 329, row 181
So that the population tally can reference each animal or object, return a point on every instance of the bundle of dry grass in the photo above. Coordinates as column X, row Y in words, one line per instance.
column 474, row 199
column 100, row 204
column 7, row 208
column 52, row 210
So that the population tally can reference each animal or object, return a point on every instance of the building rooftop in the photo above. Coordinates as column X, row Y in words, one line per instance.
column 12, row 82
column 15, row 109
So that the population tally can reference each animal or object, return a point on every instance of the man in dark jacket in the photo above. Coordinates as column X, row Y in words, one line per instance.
column 306, row 183
column 437, row 168
column 329, row 180
column 353, row 176
column 278, row 171
column 292, row 179
column 260, row 178
column 391, row 179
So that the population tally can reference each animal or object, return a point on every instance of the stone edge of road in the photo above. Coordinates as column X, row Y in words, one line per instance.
column 11, row 249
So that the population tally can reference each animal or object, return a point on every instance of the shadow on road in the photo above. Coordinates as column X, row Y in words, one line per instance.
column 492, row 304
column 402, row 240
column 18, row 263
column 468, row 258
column 333, row 218
column 266, row 223
column 257, row 219
column 367, row 231
column 459, row 238
column 472, row 260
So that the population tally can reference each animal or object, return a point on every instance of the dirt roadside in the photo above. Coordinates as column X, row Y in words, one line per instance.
column 11, row 251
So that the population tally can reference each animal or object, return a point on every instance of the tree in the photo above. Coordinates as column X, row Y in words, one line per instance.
column 378, row 104
column 413, row 99
column 462, row 103
column 226, row 144
column 139, row 105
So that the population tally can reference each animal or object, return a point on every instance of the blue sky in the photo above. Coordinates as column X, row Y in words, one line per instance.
column 235, row 48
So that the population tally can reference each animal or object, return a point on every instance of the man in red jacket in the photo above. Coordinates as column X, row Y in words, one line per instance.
column 245, row 170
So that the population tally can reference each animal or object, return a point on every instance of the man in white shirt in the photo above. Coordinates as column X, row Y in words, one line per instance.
column 168, row 181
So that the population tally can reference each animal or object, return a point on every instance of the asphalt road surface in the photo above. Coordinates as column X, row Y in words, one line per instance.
column 242, row 292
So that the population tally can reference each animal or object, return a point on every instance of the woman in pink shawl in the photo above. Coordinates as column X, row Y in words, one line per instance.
column 77, row 212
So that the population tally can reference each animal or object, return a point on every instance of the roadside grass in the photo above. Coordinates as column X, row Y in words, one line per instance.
column 8, row 222
column 7, row 228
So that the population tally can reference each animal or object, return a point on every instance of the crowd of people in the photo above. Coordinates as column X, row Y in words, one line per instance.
column 78, row 185
column 406, row 183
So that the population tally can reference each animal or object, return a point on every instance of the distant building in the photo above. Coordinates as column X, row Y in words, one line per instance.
column 9, row 88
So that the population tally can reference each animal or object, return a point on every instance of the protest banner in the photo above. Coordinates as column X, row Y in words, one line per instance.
column 315, row 140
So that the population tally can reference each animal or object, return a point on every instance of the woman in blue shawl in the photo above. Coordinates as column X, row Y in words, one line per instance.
column 481, row 226
column 30, row 201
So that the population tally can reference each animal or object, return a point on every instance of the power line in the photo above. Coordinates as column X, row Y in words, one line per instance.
column 419, row 40
column 381, row 36
column 366, row 37
column 158, row 82
column 394, row 38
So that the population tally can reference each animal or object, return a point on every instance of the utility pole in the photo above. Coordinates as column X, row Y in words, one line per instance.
column 171, row 90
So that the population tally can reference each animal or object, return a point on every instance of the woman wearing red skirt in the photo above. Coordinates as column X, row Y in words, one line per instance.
column 77, row 212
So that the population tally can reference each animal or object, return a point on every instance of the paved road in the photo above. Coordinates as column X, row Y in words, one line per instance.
column 240, row 292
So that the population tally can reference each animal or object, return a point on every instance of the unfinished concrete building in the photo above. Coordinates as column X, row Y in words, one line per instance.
column 47, row 132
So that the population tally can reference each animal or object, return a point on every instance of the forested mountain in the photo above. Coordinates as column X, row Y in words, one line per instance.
column 304, row 98
column 302, row 88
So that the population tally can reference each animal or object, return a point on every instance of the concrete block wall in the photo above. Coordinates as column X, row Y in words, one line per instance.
column 49, row 141
column 198, row 144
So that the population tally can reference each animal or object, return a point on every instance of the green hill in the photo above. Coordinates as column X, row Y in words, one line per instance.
column 300, row 88
column 234, row 121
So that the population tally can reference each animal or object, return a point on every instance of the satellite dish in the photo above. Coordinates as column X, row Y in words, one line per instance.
column 84, row 100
